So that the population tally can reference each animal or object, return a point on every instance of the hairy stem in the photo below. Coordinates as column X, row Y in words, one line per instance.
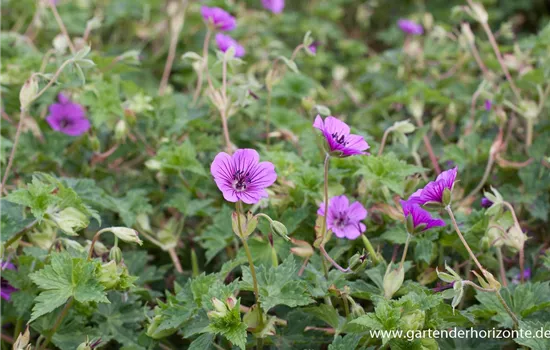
column 502, row 270
column 455, row 225
column 507, row 308
column 175, row 259
column 325, row 194
column 250, row 263
column 429, row 148
column 331, row 260
column 62, row 26
column 204, row 66
column 384, row 138
column 370, row 249
column 405, row 251
column 60, row 318
column 19, row 234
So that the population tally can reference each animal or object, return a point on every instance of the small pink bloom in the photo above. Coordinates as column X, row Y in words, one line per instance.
column 224, row 42
column 339, row 139
column 275, row 6
column 343, row 219
column 242, row 177
column 410, row 27
column 219, row 18
column 68, row 117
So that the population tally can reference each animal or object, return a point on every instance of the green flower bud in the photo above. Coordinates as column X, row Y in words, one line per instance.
column 121, row 130
column 115, row 254
column 108, row 275
column 280, row 229
column 302, row 248
column 220, row 309
column 416, row 108
column 358, row 262
column 126, row 234
column 143, row 222
column 393, row 280
column 43, row 236
column 95, row 145
column 84, row 346
column 153, row 164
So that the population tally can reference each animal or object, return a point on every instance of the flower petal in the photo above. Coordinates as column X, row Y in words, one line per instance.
column 357, row 212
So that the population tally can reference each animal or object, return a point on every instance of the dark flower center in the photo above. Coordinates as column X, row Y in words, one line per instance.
column 339, row 139
column 341, row 220
column 65, row 123
column 241, row 180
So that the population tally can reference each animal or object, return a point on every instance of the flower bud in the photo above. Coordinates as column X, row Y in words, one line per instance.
column 95, row 145
column 108, row 276
column 467, row 33
column 479, row 12
column 99, row 248
column 43, row 236
column 529, row 109
column 84, row 346
column 121, row 130
column 220, row 309
column 60, row 44
column 393, row 280
column 28, row 92
column 416, row 108
column 446, row 197
column 302, row 248
column 280, row 229
column 115, row 254
column 143, row 222
column 231, row 302
column 126, row 234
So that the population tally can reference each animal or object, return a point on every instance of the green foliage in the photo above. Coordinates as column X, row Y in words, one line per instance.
column 63, row 278
column 278, row 286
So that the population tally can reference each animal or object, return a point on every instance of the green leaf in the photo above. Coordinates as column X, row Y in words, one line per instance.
column 539, row 331
column 387, row 170
column 180, row 158
column 12, row 220
column 63, row 278
column 423, row 250
column 230, row 326
column 328, row 314
column 37, row 196
column 203, row 342
column 279, row 285
column 347, row 342
column 218, row 235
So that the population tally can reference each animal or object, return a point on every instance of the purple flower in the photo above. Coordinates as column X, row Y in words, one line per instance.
column 275, row 6
column 68, row 117
column 421, row 219
column 433, row 191
column 486, row 202
column 242, row 177
column 219, row 18
column 526, row 276
column 339, row 139
column 313, row 47
column 410, row 27
column 343, row 219
column 6, row 289
column 488, row 105
column 224, row 42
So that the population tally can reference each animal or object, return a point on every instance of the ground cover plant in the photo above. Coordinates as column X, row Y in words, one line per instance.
column 264, row 174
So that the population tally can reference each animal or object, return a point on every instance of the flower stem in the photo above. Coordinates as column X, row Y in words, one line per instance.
column 175, row 259
column 405, row 250
column 502, row 271
column 239, row 208
column 370, row 249
column 223, row 112
column 204, row 65
column 331, row 260
column 194, row 263
column 58, row 322
column 268, row 117
column 429, row 148
column 508, row 310
column 384, row 138
column 325, row 194
column 451, row 215
column 174, row 35
column 62, row 26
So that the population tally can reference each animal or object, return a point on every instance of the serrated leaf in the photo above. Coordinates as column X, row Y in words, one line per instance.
column 63, row 278
column 538, row 339
column 278, row 286
column 348, row 342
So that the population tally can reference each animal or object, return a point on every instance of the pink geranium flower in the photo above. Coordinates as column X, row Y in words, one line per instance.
column 422, row 220
column 68, row 117
column 343, row 219
column 275, row 6
column 219, row 18
column 224, row 42
column 242, row 177
column 339, row 139
column 433, row 191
